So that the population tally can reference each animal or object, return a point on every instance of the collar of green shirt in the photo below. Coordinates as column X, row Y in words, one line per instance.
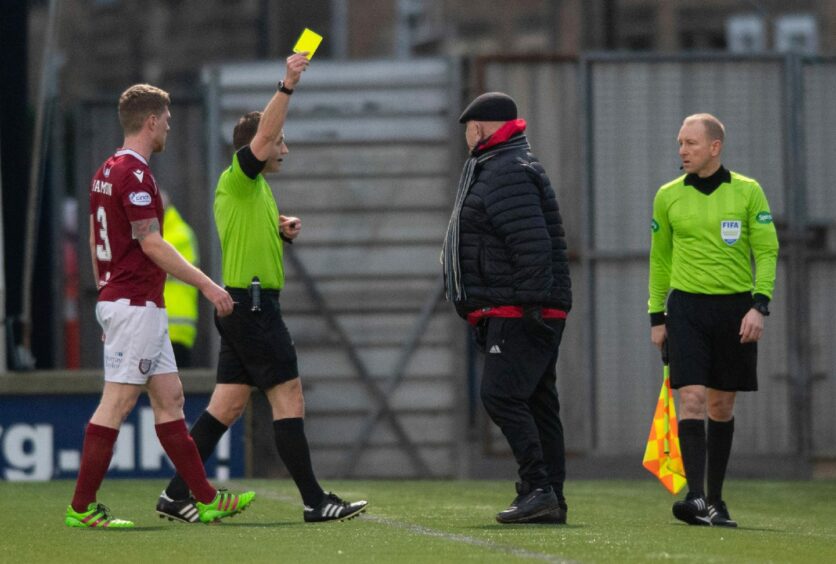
column 708, row 184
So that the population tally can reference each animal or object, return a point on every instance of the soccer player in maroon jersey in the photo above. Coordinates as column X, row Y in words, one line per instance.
column 130, row 262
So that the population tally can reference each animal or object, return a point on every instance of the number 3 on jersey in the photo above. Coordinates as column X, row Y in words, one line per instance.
column 103, row 250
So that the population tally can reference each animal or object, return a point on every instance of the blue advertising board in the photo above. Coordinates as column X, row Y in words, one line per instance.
column 41, row 438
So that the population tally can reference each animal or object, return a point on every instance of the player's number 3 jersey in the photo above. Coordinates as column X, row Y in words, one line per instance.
column 124, row 190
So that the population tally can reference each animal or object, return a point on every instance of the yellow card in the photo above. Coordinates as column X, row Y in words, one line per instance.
column 308, row 41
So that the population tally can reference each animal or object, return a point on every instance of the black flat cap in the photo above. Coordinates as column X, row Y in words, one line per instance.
column 490, row 106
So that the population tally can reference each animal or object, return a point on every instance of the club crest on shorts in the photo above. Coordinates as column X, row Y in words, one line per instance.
column 144, row 365
column 730, row 230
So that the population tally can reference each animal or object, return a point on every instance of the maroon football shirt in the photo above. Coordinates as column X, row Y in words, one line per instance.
column 124, row 190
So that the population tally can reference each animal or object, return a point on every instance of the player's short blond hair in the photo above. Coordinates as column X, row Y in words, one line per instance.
column 713, row 126
column 138, row 102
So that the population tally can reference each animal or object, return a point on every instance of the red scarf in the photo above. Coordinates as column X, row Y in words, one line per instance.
column 503, row 134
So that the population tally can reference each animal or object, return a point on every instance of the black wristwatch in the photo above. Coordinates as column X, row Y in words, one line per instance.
column 282, row 88
column 761, row 307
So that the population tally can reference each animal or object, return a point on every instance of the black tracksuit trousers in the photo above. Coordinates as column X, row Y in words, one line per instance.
column 519, row 393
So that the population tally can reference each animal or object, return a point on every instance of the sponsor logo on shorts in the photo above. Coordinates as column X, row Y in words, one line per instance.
column 145, row 365
column 113, row 360
column 764, row 217
column 654, row 226
column 730, row 231
column 140, row 198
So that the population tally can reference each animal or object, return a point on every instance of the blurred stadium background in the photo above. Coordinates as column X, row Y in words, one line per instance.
column 389, row 371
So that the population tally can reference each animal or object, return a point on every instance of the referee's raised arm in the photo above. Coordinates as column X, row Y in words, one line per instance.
column 274, row 115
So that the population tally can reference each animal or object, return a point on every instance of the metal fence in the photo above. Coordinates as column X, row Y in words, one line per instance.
column 780, row 127
column 375, row 153
column 817, row 254
column 368, row 173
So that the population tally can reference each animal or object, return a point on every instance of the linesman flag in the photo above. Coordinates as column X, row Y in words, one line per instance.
column 662, row 456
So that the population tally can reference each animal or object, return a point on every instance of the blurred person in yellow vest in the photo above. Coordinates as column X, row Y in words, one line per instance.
column 180, row 298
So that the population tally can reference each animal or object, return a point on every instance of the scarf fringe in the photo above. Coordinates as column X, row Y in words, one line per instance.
column 450, row 249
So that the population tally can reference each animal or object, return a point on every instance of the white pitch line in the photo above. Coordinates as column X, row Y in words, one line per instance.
column 435, row 533
column 464, row 539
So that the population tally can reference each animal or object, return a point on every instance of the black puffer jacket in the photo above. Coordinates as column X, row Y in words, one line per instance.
column 512, row 244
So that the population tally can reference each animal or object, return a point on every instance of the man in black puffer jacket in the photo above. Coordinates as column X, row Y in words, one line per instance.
column 507, row 272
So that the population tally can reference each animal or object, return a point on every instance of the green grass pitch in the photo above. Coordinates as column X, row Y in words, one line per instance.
column 431, row 521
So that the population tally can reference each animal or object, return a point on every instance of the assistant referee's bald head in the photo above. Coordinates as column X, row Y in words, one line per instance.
column 714, row 128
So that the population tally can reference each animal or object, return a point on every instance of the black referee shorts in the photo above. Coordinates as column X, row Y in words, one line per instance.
column 256, row 347
column 704, row 346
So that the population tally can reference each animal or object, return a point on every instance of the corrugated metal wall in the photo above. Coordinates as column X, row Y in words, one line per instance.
column 369, row 173
column 624, row 139
column 375, row 152
column 636, row 109
column 820, row 171
column 547, row 96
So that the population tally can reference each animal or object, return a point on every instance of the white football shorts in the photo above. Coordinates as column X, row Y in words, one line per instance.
column 136, row 342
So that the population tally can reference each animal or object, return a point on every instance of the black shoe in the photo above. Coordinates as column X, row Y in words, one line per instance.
column 529, row 504
column 183, row 510
column 720, row 515
column 332, row 508
column 694, row 511
column 556, row 517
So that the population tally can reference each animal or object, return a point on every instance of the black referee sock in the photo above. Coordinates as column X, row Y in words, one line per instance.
column 692, row 444
column 720, row 434
column 206, row 433
column 293, row 450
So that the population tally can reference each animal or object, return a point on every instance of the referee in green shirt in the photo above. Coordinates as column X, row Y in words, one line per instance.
column 256, row 347
column 706, row 307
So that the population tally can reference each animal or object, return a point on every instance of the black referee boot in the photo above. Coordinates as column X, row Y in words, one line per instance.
column 183, row 510
column 694, row 510
column 334, row 508
column 720, row 515
column 529, row 504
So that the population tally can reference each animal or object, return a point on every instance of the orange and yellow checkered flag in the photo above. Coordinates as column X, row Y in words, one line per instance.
column 662, row 456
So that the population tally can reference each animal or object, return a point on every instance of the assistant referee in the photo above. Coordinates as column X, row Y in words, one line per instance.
column 707, row 226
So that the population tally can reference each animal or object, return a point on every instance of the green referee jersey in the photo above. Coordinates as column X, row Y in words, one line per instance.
column 247, row 219
column 704, row 244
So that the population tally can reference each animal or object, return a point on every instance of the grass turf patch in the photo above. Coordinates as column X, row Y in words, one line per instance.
column 430, row 521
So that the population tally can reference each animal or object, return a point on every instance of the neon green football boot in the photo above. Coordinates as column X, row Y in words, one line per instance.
column 97, row 516
column 224, row 505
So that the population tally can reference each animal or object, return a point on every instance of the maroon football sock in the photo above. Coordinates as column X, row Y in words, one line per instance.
column 180, row 448
column 95, row 459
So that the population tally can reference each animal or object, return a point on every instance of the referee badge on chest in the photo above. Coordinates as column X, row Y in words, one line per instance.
column 730, row 230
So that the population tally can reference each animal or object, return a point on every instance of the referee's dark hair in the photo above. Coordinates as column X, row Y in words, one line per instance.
column 245, row 129
column 713, row 126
